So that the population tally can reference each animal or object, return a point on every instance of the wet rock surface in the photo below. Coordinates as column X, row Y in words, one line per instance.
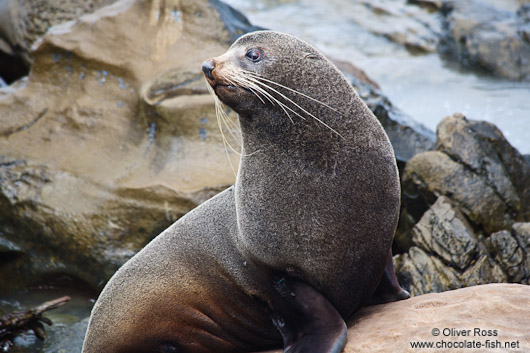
column 488, row 36
column 410, row 26
column 23, row 22
column 392, row 327
column 67, row 340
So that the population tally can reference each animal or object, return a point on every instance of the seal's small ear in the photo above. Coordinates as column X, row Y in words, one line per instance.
column 311, row 56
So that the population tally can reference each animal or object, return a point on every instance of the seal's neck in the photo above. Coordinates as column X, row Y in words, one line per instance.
column 273, row 131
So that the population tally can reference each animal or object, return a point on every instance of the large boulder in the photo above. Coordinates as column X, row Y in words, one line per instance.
column 92, row 164
column 475, row 319
column 22, row 22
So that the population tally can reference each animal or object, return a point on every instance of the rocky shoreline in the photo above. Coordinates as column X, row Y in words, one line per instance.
column 112, row 137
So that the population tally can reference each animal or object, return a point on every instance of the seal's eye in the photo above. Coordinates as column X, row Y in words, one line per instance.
column 254, row 54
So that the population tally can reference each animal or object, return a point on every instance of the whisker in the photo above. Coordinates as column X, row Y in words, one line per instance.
column 238, row 80
column 246, row 84
column 218, row 113
column 258, row 76
column 230, row 125
column 273, row 100
column 256, row 80
column 222, row 118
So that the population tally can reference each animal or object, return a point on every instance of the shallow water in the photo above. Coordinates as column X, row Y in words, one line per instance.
column 63, row 317
column 424, row 86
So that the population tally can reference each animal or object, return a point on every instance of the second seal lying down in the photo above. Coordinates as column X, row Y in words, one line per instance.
column 295, row 247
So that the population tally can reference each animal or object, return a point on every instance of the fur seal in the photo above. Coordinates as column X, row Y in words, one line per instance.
column 295, row 247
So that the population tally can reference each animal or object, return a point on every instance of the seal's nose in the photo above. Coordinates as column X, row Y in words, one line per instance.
column 207, row 68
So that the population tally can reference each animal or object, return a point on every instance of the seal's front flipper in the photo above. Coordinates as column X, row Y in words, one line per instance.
column 389, row 289
column 307, row 321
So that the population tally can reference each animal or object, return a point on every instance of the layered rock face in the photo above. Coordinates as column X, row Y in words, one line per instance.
column 472, row 199
column 23, row 22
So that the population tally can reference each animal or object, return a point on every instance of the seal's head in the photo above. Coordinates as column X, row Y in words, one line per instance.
column 282, row 74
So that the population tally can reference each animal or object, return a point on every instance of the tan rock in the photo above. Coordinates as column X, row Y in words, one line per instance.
column 23, row 21
column 93, row 164
column 82, row 108
column 489, row 315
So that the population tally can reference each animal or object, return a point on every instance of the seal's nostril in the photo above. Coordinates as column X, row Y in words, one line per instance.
column 207, row 68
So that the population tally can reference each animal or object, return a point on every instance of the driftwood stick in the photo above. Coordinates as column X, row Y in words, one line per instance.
column 14, row 323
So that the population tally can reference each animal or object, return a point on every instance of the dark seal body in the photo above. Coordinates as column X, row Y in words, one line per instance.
column 295, row 248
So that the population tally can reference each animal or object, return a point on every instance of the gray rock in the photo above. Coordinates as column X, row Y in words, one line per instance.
column 235, row 22
column 446, row 254
column 509, row 162
column 433, row 5
column 22, row 22
column 413, row 27
column 481, row 35
column 473, row 185
column 431, row 174
column 481, row 148
column 444, row 231
column 523, row 230
column 483, row 271
column 475, row 167
column 420, row 273
column 511, row 250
